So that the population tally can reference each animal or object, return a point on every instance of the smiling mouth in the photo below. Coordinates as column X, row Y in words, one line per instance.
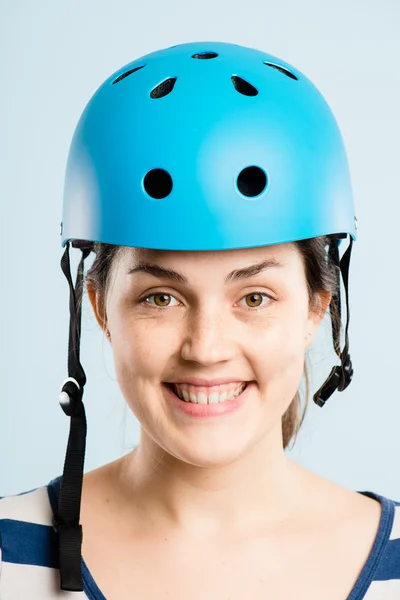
column 202, row 395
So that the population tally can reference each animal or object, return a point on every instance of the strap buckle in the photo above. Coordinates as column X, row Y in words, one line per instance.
column 70, row 396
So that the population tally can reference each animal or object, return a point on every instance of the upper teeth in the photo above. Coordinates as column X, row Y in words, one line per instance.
column 212, row 395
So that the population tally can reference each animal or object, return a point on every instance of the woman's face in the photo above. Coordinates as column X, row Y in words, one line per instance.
column 242, row 316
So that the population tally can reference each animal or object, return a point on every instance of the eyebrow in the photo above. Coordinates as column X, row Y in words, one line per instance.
column 235, row 275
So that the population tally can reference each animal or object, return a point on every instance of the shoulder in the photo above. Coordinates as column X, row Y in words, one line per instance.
column 27, row 544
column 385, row 554
column 390, row 563
column 27, row 507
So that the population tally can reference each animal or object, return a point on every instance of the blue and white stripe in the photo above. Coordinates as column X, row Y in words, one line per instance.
column 29, row 559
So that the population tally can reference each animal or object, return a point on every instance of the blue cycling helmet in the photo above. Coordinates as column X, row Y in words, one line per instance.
column 201, row 146
column 206, row 146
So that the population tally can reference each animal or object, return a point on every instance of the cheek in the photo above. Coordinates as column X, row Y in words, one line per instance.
column 135, row 360
column 140, row 350
column 279, row 357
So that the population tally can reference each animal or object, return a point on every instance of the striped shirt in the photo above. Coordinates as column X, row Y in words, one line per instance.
column 29, row 562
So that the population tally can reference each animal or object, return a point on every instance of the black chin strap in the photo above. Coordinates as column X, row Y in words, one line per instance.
column 341, row 375
column 66, row 520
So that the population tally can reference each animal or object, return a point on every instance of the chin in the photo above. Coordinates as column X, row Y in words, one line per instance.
column 211, row 451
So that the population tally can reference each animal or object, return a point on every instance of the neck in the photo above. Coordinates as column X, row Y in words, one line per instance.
column 259, row 489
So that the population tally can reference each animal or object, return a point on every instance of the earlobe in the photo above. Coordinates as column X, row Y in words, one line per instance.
column 308, row 339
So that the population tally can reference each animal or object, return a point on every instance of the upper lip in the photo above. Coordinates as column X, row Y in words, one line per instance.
column 207, row 382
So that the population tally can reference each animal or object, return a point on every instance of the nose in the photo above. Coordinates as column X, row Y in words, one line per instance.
column 208, row 339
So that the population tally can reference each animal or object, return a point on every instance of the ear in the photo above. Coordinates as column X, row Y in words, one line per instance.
column 316, row 314
column 97, row 302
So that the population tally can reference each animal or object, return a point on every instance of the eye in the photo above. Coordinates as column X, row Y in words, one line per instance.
column 254, row 300
column 161, row 300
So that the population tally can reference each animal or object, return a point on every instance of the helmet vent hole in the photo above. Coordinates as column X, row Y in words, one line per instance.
column 121, row 77
column 282, row 70
column 252, row 181
column 164, row 88
column 243, row 87
column 158, row 183
column 205, row 55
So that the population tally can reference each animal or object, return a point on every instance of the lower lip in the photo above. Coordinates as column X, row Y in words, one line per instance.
column 207, row 410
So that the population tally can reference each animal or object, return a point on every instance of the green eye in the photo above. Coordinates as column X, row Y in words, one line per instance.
column 254, row 300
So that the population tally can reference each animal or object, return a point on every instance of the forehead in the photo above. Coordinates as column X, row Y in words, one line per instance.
column 283, row 253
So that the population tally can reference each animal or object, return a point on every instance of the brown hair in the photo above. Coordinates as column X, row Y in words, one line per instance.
column 322, row 275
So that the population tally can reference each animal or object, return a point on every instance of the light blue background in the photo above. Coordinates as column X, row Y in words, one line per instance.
column 53, row 57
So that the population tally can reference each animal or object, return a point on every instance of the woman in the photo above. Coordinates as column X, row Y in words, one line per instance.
column 211, row 181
